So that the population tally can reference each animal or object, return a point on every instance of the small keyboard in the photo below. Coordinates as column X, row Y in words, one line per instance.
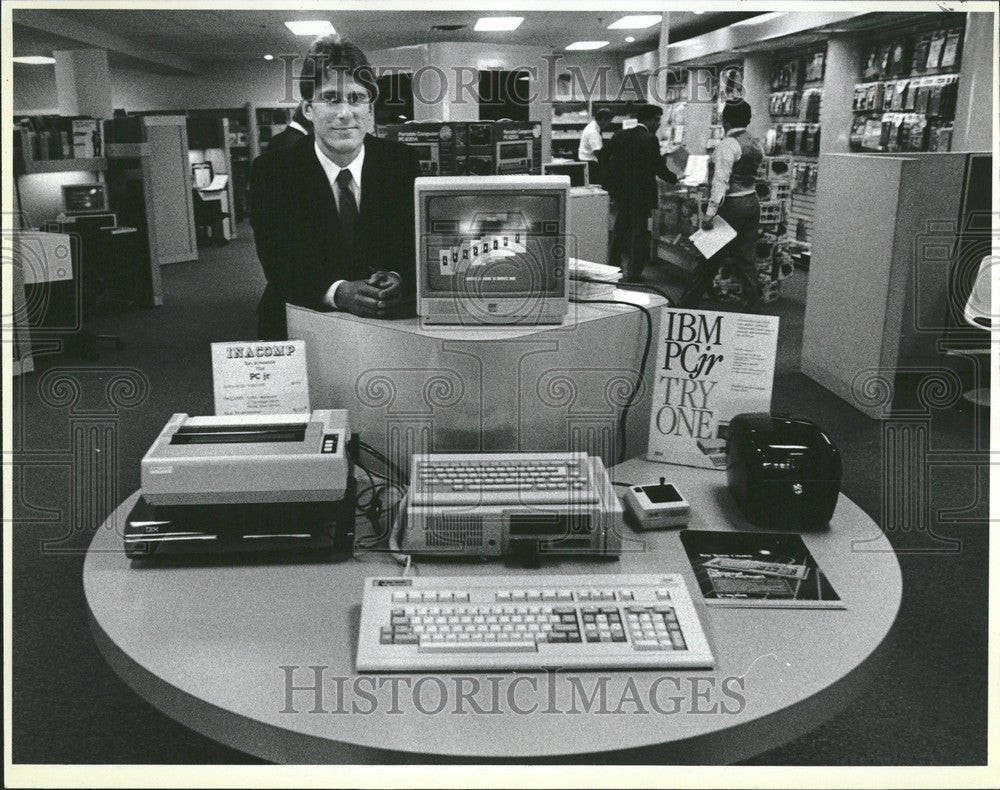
column 501, row 479
column 628, row 621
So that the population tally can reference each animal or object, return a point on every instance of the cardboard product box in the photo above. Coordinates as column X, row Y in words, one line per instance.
column 517, row 148
column 434, row 142
column 474, row 148
column 86, row 138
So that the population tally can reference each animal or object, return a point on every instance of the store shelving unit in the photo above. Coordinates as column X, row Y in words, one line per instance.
column 795, row 105
column 905, row 99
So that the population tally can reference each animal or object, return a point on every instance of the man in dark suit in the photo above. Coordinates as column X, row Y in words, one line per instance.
column 333, row 213
column 295, row 131
column 633, row 165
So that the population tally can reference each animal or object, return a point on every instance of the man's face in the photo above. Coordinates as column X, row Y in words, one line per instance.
column 653, row 123
column 341, row 113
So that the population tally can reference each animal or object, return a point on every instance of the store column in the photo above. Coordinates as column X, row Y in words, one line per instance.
column 842, row 71
column 83, row 82
column 656, row 89
column 757, row 92
column 974, row 112
column 698, row 113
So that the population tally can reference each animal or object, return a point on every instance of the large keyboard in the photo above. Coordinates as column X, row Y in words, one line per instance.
column 501, row 479
column 626, row 621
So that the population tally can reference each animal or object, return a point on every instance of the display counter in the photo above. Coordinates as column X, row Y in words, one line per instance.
column 410, row 387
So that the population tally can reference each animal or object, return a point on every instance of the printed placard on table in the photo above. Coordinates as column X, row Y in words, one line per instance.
column 710, row 366
column 259, row 377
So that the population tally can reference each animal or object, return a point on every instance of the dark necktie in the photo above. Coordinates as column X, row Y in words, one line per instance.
column 348, row 211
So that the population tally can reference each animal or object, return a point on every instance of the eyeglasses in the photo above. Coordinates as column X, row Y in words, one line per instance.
column 353, row 100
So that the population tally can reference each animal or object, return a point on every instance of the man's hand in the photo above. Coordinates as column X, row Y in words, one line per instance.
column 390, row 294
column 707, row 223
column 377, row 297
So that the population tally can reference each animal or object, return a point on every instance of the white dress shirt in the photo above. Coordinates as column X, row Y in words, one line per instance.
column 591, row 142
column 332, row 170
column 727, row 153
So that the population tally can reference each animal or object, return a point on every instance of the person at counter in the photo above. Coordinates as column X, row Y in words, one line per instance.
column 736, row 160
column 332, row 214
column 591, row 143
column 633, row 163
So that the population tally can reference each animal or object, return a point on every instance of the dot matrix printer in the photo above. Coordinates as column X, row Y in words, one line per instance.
column 230, row 482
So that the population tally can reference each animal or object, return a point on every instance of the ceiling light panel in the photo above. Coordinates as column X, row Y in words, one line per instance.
column 315, row 27
column 636, row 22
column 495, row 23
column 588, row 44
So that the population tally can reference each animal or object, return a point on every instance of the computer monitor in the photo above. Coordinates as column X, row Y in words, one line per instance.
column 202, row 174
column 85, row 199
column 492, row 249
column 578, row 172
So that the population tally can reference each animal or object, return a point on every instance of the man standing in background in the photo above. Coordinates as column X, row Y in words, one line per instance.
column 633, row 164
column 295, row 131
column 736, row 158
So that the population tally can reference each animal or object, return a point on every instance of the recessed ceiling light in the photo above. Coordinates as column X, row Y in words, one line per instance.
column 269, row 57
column 315, row 27
column 588, row 44
column 629, row 39
column 699, row 13
column 756, row 20
column 489, row 23
column 636, row 22
column 35, row 60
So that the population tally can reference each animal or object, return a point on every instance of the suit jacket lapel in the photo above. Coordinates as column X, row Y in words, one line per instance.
column 318, row 208
column 373, row 180
column 371, row 173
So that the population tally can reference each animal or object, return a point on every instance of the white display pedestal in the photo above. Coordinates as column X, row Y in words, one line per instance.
column 411, row 388
column 588, row 221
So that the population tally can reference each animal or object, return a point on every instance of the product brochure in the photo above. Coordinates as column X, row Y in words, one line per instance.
column 762, row 570
column 709, row 242
column 710, row 366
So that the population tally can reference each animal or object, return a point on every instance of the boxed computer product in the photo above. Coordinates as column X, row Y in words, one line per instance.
column 434, row 142
column 517, row 148
column 474, row 148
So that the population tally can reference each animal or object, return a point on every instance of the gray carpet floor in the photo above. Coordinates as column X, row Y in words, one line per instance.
column 924, row 705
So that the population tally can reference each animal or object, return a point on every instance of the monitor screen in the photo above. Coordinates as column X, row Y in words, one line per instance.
column 514, row 151
column 493, row 236
column 85, row 198
column 577, row 172
column 202, row 173
column 424, row 151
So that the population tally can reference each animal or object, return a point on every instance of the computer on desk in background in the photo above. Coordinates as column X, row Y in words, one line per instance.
column 201, row 174
column 80, row 199
column 492, row 249
column 578, row 172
